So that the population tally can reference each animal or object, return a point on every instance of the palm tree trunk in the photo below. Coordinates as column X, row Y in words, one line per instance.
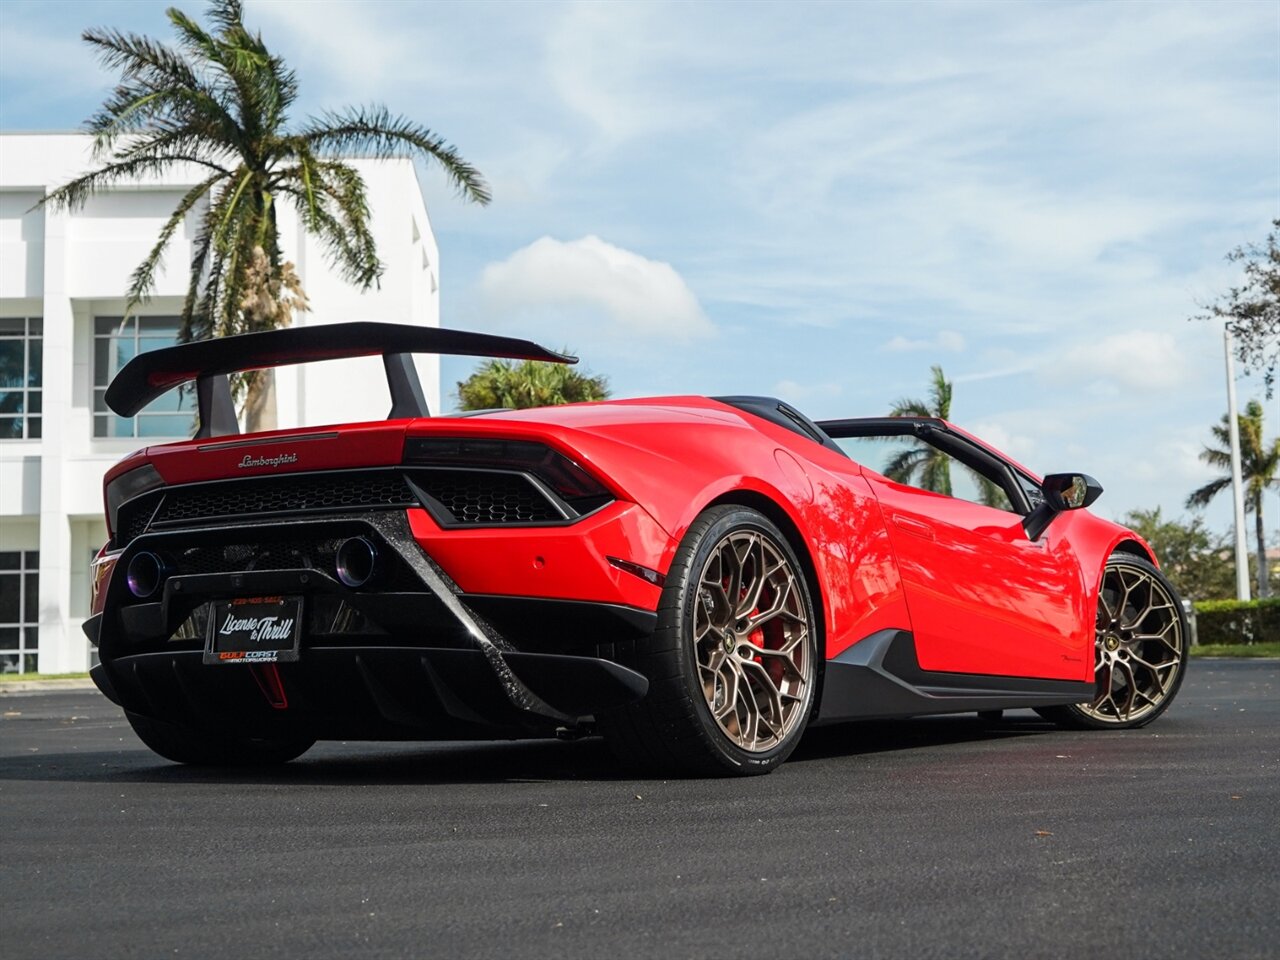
column 1264, row 578
column 260, row 402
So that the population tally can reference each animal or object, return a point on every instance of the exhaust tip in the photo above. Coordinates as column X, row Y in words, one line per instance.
column 146, row 574
column 356, row 563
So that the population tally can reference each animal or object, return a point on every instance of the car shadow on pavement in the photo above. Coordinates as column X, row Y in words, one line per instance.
column 589, row 759
column 866, row 737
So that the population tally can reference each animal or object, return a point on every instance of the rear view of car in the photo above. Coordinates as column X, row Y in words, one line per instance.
column 699, row 579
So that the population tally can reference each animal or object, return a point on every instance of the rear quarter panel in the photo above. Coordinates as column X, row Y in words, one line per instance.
column 679, row 456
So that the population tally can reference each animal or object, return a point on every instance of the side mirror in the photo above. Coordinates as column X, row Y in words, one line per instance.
column 1070, row 491
column 1062, row 491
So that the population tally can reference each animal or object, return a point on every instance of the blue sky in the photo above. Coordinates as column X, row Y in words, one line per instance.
column 820, row 201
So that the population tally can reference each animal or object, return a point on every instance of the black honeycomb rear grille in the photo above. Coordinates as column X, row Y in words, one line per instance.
column 455, row 497
column 298, row 493
column 135, row 516
column 479, row 497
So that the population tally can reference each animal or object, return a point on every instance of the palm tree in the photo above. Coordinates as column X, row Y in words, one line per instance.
column 1259, row 464
column 931, row 465
column 531, row 383
column 219, row 101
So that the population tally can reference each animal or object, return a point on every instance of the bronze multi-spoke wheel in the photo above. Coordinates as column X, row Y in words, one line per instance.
column 1140, row 648
column 732, row 665
column 750, row 639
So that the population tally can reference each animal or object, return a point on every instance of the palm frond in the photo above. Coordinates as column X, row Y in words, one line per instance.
column 940, row 393
column 143, row 278
column 199, row 261
column 1205, row 494
column 910, row 408
column 504, row 383
column 73, row 195
column 200, row 147
column 991, row 494
column 225, row 14
column 1258, row 463
column 195, row 38
column 903, row 465
column 376, row 132
column 332, row 202
column 141, row 58
column 1216, row 458
column 935, row 474
column 1221, row 432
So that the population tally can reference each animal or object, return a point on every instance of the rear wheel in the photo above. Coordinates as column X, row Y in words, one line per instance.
column 732, row 664
column 1140, row 649
column 183, row 744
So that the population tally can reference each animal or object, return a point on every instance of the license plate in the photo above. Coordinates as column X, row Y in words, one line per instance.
column 254, row 630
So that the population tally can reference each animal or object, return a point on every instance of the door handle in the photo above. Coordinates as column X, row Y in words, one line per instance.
column 914, row 527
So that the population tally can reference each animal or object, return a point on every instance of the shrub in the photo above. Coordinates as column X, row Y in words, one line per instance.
column 1238, row 621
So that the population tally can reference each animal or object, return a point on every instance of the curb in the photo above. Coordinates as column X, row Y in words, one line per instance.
column 34, row 686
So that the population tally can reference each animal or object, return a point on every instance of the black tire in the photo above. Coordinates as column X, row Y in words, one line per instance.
column 187, row 745
column 673, row 728
column 1137, row 678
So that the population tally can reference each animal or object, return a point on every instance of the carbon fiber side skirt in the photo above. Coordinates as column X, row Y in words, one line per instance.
column 880, row 677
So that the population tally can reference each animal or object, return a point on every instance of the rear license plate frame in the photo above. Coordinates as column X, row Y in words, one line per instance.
column 254, row 630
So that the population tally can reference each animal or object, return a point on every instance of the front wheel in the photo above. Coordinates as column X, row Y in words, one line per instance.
column 183, row 744
column 732, row 665
column 1140, row 649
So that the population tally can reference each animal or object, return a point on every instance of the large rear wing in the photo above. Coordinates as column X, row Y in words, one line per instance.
column 208, row 363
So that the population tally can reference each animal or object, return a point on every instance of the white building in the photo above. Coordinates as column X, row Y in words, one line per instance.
column 63, row 335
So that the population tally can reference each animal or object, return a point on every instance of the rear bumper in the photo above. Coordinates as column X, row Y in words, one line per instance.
column 366, row 692
column 410, row 656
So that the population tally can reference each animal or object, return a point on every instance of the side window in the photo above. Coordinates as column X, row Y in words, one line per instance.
column 912, row 461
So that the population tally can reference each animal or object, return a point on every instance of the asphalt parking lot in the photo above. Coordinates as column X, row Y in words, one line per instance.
column 945, row 837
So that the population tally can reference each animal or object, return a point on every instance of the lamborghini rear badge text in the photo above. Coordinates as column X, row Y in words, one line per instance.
column 280, row 459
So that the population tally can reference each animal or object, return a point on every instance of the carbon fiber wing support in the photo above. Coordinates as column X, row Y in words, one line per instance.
column 210, row 362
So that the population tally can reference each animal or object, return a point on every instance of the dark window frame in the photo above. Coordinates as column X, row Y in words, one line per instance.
column 132, row 330
column 24, row 575
column 935, row 433
column 29, row 391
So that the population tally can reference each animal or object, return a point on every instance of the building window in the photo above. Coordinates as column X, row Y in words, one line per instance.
column 19, row 602
column 116, row 341
column 21, row 363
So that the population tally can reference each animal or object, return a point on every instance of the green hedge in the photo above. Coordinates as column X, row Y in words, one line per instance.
column 1237, row 621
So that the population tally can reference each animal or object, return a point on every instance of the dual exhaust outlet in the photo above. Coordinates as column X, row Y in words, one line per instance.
column 356, row 564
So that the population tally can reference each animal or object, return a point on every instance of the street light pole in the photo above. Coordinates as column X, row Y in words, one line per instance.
column 1237, row 483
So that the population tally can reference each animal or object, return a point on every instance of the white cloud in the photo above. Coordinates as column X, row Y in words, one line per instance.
column 1141, row 359
column 362, row 50
column 614, row 65
column 596, row 281
column 947, row 340
column 1015, row 445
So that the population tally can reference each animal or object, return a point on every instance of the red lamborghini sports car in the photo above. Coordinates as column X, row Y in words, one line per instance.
column 699, row 579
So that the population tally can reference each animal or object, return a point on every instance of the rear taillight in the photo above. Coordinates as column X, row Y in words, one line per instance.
column 127, row 486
